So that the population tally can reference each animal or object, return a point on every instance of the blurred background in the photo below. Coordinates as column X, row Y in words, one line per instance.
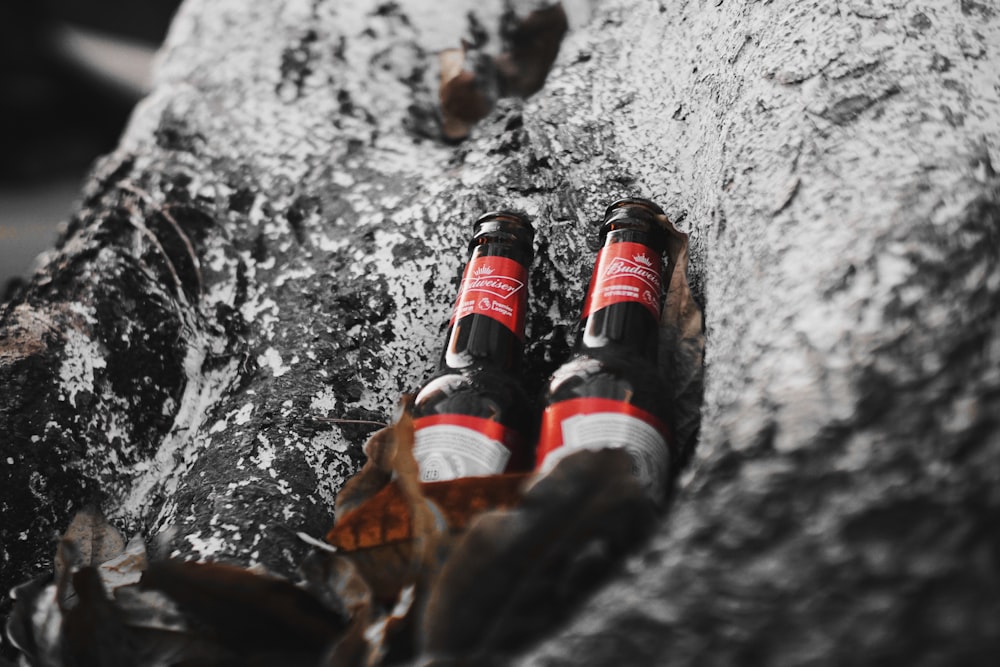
column 70, row 73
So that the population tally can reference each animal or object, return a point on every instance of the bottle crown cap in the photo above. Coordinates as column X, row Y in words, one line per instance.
column 513, row 224
column 633, row 207
column 639, row 214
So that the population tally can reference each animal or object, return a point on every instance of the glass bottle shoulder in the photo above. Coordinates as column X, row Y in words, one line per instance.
column 478, row 391
column 610, row 374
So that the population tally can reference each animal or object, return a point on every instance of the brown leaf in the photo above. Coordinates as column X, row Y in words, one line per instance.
column 126, row 568
column 682, row 344
column 517, row 571
column 246, row 612
column 93, row 632
column 390, row 638
column 385, row 519
column 468, row 90
column 531, row 46
column 93, row 541
column 374, row 474
column 337, row 583
column 378, row 536
column 401, row 534
column 34, row 623
column 73, row 619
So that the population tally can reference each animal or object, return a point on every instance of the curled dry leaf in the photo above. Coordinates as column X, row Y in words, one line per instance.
column 682, row 345
column 468, row 90
column 531, row 44
column 471, row 81
column 398, row 533
column 430, row 531
column 373, row 475
column 517, row 571
column 33, row 625
column 89, row 540
column 69, row 618
column 93, row 630
column 125, row 611
column 336, row 582
column 378, row 535
column 248, row 613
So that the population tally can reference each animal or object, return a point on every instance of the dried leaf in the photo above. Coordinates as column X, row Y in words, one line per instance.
column 471, row 81
column 150, row 610
column 385, row 518
column 398, row 538
column 93, row 541
column 246, row 612
column 53, row 620
column 378, row 535
column 400, row 535
column 93, row 632
column 126, row 568
column 515, row 572
column 468, row 90
column 34, row 622
column 682, row 345
column 391, row 637
column 336, row 582
column 374, row 474
column 531, row 46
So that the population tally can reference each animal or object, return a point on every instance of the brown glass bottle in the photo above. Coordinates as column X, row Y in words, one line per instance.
column 473, row 416
column 610, row 393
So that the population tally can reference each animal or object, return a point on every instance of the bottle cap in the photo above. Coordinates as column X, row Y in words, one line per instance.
column 513, row 223
column 636, row 214
column 631, row 207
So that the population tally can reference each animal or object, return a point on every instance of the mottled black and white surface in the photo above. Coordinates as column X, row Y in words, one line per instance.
column 279, row 234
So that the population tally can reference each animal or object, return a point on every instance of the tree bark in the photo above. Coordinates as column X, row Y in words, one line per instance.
column 279, row 234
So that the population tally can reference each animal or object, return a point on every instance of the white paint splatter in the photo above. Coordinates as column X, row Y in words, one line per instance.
column 244, row 413
column 263, row 314
column 207, row 546
column 329, row 441
column 265, row 455
column 328, row 245
column 272, row 358
column 325, row 401
column 343, row 179
column 294, row 274
column 82, row 357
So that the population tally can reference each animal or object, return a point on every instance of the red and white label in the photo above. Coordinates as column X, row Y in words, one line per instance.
column 625, row 272
column 600, row 423
column 451, row 446
column 495, row 287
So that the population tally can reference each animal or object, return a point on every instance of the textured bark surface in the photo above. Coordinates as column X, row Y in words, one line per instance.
column 279, row 236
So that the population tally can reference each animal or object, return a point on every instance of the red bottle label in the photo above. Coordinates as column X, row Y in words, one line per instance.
column 601, row 423
column 495, row 287
column 449, row 446
column 624, row 272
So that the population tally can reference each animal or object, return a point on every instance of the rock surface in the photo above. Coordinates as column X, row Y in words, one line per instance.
column 278, row 238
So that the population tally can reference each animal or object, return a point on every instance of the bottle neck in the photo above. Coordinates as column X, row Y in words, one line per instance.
column 622, row 309
column 487, row 325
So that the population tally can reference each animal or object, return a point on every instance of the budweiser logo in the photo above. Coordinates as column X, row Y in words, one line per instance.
column 640, row 266
column 499, row 286
column 484, row 271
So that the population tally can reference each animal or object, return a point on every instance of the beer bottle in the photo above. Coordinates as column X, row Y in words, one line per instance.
column 610, row 393
column 473, row 417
